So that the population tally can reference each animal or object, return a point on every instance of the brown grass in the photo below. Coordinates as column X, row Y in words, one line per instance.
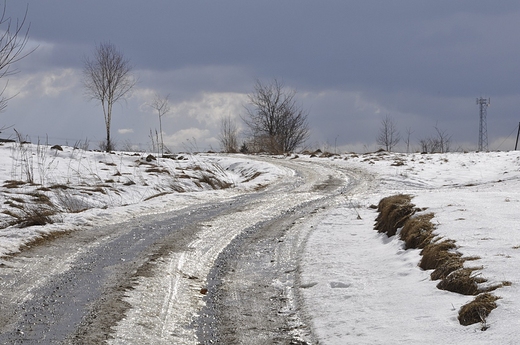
column 417, row 232
column 252, row 177
column 59, row 186
column 462, row 281
column 41, row 198
column 394, row 211
column 156, row 195
column 437, row 253
column 451, row 264
column 157, row 171
column 477, row 310
column 31, row 215
column 214, row 182
column 13, row 184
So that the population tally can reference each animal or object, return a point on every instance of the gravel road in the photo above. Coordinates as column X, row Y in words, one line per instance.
column 221, row 271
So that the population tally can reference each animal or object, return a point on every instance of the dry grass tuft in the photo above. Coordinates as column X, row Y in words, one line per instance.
column 477, row 310
column 252, row 177
column 214, row 182
column 462, row 281
column 394, row 211
column 41, row 198
column 156, row 195
column 437, row 253
column 157, row 170
column 417, row 232
column 13, row 184
column 32, row 215
column 451, row 264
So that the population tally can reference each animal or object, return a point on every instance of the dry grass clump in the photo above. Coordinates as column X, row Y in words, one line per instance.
column 417, row 232
column 31, row 215
column 462, row 281
column 157, row 170
column 327, row 154
column 394, row 211
column 477, row 310
column 252, row 177
column 451, row 264
column 13, row 184
column 437, row 253
column 214, row 182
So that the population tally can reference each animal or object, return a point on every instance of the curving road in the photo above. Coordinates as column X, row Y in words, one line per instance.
column 223, row 271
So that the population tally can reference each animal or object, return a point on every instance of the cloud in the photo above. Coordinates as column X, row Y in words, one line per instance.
column 191, row 140
column 52, row 84
column 125, row 131
column 209, row 108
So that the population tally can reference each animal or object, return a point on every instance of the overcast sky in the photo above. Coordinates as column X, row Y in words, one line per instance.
column 422, row 63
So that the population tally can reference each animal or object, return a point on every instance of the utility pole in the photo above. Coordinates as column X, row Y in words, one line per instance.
column 483, row 103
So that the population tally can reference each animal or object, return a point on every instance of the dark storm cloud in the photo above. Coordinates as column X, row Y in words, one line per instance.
column 383, row 44
column 422, row 62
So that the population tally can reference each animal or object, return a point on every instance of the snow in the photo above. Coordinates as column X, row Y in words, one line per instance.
column 358, row 286
column 369, row 290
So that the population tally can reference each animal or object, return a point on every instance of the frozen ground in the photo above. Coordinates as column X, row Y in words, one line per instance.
column 368, row 290
column 359, row 286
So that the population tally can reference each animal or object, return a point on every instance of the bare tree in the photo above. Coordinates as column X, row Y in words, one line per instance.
column 443, row 140
column 439, row 143
column 407, row 140
column 389, row 136
column 162, row 106
column 276, row 122
column 228, row 136
column 107, row 79
column 13, row 40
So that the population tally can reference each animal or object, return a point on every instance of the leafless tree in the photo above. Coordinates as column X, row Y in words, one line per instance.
column 389, row 136
column 277, row 124
column 228, row 136
column 14, row 36
column 107, row 79
column 443, row 139
column 162, row 106
column 439, row 143
column 408, row 135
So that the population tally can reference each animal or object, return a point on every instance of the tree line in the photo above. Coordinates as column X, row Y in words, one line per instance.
column 389, row 136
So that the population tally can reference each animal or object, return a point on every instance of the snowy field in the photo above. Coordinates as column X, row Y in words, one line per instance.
column 366, row 289
column 359, row 286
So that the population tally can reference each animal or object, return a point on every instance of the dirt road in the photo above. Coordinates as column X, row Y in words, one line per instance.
column 223, row 271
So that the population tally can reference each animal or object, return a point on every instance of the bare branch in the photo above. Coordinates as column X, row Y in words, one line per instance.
column 13, row 40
